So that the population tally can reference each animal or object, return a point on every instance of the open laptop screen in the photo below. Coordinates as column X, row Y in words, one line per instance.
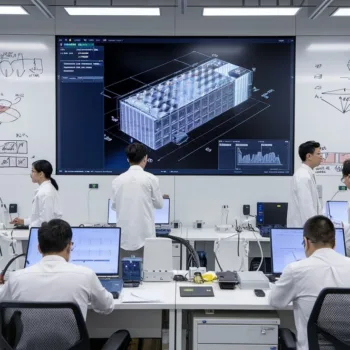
column 287, row 246
column 161, row 216
column 95, row 247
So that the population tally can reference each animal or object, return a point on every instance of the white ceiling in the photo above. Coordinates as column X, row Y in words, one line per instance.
column 174, row 3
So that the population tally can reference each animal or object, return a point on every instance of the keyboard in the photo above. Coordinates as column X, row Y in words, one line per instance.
column 21, row 227
column 161, row 231
column 113, row 285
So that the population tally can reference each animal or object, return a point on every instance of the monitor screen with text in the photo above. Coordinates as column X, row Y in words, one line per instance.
column 287, row 246
column 94, row 247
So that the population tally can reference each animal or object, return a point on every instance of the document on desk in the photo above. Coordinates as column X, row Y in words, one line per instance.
column 141, row 296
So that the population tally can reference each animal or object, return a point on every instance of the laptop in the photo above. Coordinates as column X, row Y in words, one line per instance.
column 338, row 211
column 287, row 247
column 97, row 248
column 161, row 217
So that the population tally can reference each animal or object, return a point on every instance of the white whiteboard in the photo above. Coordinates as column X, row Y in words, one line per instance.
column 27, row 102
column 323, row 98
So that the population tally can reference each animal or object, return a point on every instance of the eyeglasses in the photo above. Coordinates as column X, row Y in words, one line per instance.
column 72, row 248
column 303, row 242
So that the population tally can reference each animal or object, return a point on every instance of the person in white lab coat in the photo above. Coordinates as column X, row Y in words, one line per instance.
column 302, row 281
column 304, row 202
column 46, row 202
column 135, row 195
column 54, row 279
column 346, row 180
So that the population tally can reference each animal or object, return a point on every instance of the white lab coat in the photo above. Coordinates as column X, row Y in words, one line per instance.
column 53, row 279
column 302, row 281
column 304, row 202
column 45, row 205
column 135, row 195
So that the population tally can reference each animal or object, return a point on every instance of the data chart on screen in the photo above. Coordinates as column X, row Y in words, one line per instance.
column 254, row 156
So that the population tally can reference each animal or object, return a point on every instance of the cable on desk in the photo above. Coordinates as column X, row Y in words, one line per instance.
column 191, row 250
column 2, row 275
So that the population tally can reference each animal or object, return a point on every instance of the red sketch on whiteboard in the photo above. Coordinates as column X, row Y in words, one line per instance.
column 8, row 113
column 334, row 157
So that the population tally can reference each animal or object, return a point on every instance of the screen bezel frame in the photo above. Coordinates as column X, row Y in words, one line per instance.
column 302, row 230
column 293, row 82
column 85, row 227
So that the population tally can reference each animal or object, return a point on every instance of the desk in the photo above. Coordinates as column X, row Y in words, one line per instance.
column 203, row 240
column 142, row 320
column 223, row 300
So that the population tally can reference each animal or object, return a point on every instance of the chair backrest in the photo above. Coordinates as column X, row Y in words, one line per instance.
column 37, row 326
column 329, row 323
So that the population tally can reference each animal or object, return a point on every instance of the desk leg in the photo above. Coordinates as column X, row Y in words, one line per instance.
column 178, row 329
column 172, row 330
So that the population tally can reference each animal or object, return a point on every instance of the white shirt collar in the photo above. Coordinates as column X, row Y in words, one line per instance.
column 46, row 182
column 53, row 258
column 322, row 252
column 308, row 168
column 135, row 167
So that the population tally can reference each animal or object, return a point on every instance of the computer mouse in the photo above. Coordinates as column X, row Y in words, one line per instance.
column 179, row 278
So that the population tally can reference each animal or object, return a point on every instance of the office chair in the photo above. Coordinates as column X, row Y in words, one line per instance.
column 328, row 327
column 329, row 323
column 54, row 326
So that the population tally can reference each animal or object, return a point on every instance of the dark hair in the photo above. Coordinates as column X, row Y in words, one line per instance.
column 320, row 229
column 136, row 152
column 306, row 148
column 346, row 167
column 45, row 167
column 53, row 236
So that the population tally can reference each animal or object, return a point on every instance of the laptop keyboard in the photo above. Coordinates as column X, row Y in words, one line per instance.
column 114, row 286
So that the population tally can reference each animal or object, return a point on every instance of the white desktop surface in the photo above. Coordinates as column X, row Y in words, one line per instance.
column 166, row 289
column 209, row 234
column 18, row 235
column 228, row 299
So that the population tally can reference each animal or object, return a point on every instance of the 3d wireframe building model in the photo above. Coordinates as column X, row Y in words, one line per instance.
column 166, row 112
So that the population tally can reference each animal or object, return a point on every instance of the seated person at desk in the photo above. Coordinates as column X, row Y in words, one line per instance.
column 302, row 281
column 54, row 279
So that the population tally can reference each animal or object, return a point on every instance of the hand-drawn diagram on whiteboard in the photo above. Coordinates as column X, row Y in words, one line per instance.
column 16, row 64
column 338, row 99
column 14, row 147
column 13, row 162
column 8, row 111
column 332, row 163
column 11, row 154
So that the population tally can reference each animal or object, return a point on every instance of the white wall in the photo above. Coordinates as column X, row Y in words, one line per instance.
column 192, row 197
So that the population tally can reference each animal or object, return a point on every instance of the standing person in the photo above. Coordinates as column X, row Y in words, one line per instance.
column 46, row 203
column 304, row 202
column 135, row 195
column 346, row 180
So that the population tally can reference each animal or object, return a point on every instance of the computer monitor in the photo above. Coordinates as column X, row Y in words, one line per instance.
column 95, row 247
column 338, row 211
column 271, row 213
column 161, row 216
column 287, row 246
